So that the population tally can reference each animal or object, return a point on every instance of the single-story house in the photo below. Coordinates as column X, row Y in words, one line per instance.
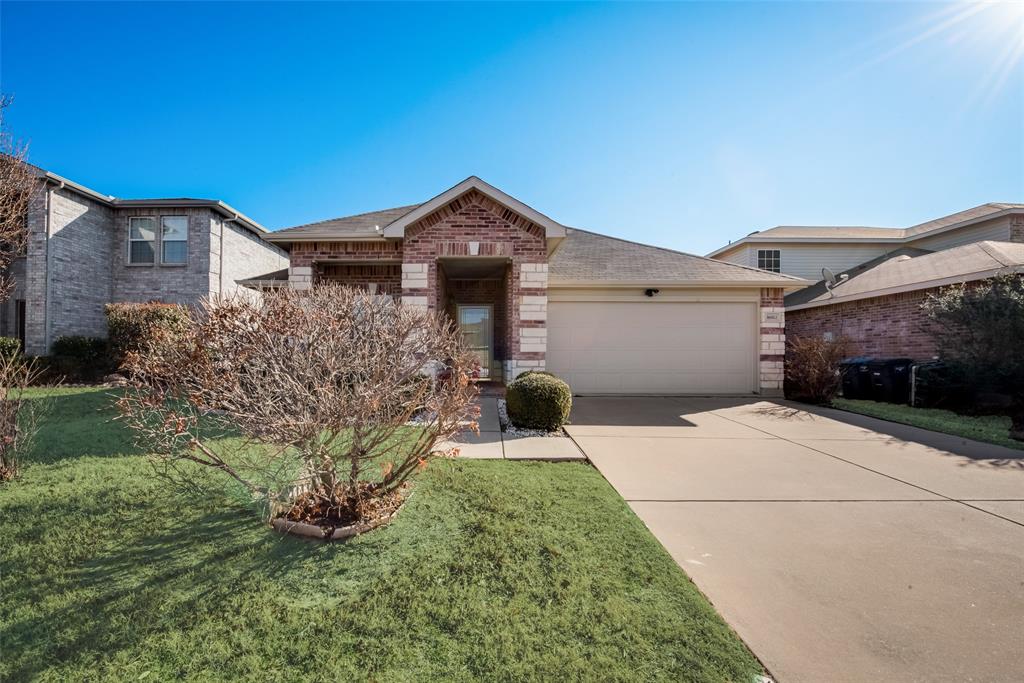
column 878, row 306
column 86, row 249
column 803, row 250
column 606, row 314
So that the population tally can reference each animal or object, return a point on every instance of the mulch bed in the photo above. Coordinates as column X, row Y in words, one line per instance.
column 313, row 515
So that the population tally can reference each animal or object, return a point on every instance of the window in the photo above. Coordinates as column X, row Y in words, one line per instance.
column 141, row 239
column 769, row 259
column 174, row 239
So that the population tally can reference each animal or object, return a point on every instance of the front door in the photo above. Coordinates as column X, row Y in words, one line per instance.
column 476, row 322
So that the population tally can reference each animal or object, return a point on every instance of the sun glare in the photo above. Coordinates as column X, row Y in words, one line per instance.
column 992, row 32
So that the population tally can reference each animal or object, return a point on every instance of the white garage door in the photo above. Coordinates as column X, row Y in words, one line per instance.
column 653, row 347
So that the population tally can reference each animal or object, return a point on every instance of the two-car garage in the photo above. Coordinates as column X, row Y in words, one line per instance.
column 662, row 344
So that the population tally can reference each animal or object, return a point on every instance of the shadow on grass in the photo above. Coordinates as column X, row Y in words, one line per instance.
column 79, row 423
column 155, row 585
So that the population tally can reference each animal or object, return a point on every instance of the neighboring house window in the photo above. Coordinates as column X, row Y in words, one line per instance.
column 141, row 239
column 769, row 259
column 174, row 239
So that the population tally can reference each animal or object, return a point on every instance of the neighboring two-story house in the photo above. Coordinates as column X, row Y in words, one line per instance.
column 803, row 251
column 86, row 250
column 883, row 275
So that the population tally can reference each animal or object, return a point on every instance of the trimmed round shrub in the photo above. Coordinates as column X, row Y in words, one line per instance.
column 538, row 400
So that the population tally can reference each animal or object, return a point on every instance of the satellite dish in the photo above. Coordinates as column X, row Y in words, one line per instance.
column 831, row 280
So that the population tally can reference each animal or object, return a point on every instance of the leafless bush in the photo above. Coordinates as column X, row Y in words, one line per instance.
column 19, row 416
column 18, row 183
column 304, row 398
column 812, row 368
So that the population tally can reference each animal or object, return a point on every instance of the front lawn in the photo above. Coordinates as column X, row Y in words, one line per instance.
column 494, row 570
column 988, row 428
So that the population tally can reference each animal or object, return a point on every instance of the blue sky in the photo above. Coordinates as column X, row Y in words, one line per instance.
column 683, row 125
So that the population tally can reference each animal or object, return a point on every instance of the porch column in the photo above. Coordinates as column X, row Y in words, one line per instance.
column 418, row 288
column 528, row 314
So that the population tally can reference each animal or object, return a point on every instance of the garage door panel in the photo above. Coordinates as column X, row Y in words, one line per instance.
column 618, row 347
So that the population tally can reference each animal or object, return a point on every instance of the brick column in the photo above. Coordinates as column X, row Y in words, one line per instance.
column 771, row 371
column 419, row 285
column 529, row 315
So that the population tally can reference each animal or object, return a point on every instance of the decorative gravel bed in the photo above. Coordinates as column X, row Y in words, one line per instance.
column 512, row 430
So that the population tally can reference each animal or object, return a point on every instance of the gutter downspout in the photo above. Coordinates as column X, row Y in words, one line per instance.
column 47, row 326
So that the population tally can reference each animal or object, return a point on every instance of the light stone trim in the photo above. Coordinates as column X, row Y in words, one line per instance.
column 414, row 301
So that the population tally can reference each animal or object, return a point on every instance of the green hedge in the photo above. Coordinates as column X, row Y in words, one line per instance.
column 81, row 358
column 130, row 325
column 538, row 400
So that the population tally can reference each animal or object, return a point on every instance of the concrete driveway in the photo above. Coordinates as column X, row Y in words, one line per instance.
column 840, row 547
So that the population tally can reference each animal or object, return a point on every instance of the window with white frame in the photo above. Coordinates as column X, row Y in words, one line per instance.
column 141, row 239
column 769, row 259
column 174, row 239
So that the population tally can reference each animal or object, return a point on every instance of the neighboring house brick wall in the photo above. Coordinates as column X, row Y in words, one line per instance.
column 773, row 332
column 68, row 276
column 892, row 326
column 245, row 255
column 184, row 284
column 475, row 225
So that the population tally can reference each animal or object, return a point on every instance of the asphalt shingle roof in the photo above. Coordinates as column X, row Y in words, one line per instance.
column 589, row 257
column 864, row 232
column 360, row 225
column 969, row 261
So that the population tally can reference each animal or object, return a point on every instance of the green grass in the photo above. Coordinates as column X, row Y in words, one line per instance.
column 494, row 570
column 988, row 428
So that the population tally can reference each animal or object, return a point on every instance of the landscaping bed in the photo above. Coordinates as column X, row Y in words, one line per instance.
column 493, row 570
column 988, row 428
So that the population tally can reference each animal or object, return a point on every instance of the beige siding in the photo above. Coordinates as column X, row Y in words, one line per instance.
column 997, row 229
column 741, row 255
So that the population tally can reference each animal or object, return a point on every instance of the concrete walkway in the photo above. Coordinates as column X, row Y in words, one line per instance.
column 840, row 547
column 493, row 444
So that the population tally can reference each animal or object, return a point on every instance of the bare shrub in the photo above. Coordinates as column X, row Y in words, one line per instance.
column 812, row 368
column 18, row 184
column 303, row 399
column 19, row 416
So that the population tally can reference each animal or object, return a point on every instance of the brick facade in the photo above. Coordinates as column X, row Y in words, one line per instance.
column 474, row 225
column 890, row 326
column 772, row 342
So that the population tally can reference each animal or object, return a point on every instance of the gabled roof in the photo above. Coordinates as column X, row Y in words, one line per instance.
column 966, row 263
column 853, row 234
column 397, row 227
column 586, row 259
column 361, row 226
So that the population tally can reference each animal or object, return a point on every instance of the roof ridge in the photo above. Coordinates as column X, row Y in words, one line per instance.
column 686, row 253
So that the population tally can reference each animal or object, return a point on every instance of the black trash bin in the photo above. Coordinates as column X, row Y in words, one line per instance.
column 856, row 377
column 890, row 379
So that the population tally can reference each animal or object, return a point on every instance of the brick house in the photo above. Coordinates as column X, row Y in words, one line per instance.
column 878, row 306
column 608, row 315
column 86, row 249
